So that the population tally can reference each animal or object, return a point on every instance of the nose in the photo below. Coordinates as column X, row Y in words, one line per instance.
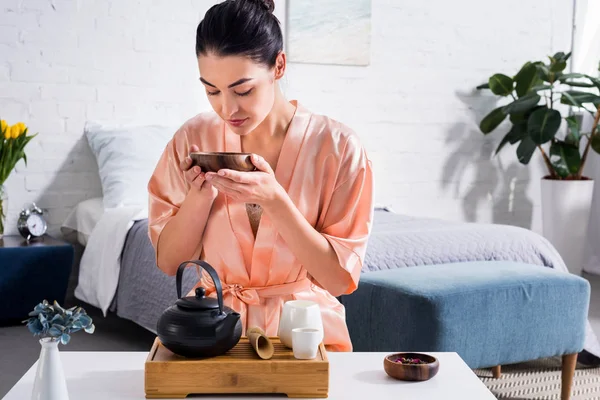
column 229, row 106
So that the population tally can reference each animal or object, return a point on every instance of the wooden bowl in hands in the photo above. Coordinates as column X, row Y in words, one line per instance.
column 214, row 161
column 407, row 371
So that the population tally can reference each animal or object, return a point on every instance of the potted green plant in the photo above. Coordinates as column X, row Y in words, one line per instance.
column 538, row 101
column 54, row 324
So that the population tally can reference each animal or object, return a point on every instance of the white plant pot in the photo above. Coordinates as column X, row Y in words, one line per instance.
column 565, row 214
column 50, row 383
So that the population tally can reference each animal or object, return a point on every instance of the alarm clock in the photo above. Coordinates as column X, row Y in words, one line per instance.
column 31, row 223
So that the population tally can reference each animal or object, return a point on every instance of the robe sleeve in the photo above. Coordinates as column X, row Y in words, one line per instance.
column 349, row 215
column 167, row 188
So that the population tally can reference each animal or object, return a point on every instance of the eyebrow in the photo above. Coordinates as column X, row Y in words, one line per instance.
column 236, row 83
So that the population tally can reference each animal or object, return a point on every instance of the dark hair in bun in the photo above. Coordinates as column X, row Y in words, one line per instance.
column 269, row 5
column 241, row 27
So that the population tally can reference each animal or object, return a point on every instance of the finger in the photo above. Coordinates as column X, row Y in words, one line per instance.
column 198, row 181
column 215, row 179
column 192, row 174
column 261, row 164
column 185, row 164
column 226, row 189
column 236, row 176
column 194, row 148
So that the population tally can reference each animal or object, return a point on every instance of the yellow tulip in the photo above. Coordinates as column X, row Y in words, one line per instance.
column 3, row 126
column 22, row 128
column 14, row 131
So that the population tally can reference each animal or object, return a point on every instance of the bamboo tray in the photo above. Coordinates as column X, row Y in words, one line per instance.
column 240, row 371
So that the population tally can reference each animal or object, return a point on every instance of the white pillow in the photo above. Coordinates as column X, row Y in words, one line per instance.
column 82, row 220
column 126, row 156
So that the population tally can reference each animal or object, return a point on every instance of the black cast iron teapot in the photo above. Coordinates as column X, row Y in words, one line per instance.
column 199, row 326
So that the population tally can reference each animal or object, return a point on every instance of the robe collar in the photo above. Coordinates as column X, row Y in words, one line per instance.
column 257, row 251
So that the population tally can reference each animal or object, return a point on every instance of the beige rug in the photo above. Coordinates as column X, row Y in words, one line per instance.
column 540, row 380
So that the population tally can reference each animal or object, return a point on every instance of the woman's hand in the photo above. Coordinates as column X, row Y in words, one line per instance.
column 256, row 187
column 194, row 176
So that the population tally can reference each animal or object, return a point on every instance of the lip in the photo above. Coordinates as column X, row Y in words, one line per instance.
column 237, row 122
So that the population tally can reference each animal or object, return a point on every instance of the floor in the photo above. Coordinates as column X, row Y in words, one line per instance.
column 19, row 349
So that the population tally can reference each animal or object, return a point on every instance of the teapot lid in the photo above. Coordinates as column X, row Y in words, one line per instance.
column 198, row 302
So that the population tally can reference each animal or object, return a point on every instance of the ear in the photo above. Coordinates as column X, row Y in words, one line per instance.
column 280, row 64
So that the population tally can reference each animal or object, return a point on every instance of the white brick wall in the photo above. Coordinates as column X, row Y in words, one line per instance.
column 65, row 61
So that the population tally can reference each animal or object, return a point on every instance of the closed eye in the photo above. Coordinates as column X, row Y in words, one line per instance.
column 246, row 93
column 212, row 93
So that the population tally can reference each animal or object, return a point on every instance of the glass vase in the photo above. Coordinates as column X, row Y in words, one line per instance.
column 3, row 209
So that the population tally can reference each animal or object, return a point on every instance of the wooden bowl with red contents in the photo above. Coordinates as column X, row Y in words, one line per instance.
column 411, row 366
column 214, row 161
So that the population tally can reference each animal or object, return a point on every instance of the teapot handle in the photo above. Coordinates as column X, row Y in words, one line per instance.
column 211, row 271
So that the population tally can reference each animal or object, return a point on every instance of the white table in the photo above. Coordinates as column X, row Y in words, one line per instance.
column 120, row 376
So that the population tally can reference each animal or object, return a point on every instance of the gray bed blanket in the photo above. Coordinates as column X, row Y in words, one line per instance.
column 144, row 291
column 403, row 241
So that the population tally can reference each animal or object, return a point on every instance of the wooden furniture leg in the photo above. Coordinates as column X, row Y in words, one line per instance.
column 569, row 361
column 496, row 371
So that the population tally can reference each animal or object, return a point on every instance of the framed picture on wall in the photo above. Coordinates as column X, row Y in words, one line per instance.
column 329, row 31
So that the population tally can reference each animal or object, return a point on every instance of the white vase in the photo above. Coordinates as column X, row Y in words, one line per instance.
column 566, row 206
column 50, row 383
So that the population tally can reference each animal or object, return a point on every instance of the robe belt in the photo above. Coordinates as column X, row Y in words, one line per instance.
column 252, row 295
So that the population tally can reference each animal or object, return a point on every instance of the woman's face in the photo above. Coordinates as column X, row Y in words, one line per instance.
column 240, row 90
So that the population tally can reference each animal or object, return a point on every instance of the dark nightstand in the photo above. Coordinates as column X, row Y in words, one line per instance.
column 31, row 272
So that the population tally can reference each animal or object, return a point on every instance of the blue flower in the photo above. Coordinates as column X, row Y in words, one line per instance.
column 53, row 321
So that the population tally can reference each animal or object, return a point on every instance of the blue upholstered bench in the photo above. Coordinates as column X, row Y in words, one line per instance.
column 490, row 313
column 31, row 272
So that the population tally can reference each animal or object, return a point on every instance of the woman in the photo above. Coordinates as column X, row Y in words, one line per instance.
column 295, row 229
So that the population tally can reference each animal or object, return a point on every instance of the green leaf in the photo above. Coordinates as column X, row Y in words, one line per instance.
column 564, row 77
column 574, row 135
column 561, row 56
column 543, row 124
column 558, row 66
column 516, row 133
column 525, row 79
column 484, row 86
column 579, row 84
column 492, row 120
column 523, row 104
column 543, row 72
column 595, row 81
column 596, row 143
column 578, row 98
column 501, row 84
column 566, row 98
column 522, row 117
column 565, row 159
column 525, row 150
column 541, row 87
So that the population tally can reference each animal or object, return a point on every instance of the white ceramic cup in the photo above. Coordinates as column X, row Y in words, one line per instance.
column 299, row 314
column 305, row 342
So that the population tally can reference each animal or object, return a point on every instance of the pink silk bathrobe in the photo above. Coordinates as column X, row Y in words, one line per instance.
column 325, row 171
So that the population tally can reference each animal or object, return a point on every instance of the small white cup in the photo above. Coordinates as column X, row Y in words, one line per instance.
column 305, row 342
column 298, row 314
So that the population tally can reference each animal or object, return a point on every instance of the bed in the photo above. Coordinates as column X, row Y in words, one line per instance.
column 118, row 273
